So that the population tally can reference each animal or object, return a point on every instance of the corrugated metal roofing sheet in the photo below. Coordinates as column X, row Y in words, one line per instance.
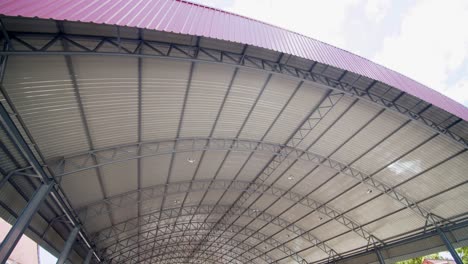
column 188, row 18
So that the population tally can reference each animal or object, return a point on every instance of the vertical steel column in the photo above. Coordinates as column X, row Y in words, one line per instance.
column 449, row 246
column 68, row 245
column 87, row 260
column 379, row 256
column 23, row 221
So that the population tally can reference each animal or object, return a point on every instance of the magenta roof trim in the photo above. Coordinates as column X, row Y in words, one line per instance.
column 188, row 18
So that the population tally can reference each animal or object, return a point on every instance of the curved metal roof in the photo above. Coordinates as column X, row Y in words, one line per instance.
column 177, row 135
column 192, row 19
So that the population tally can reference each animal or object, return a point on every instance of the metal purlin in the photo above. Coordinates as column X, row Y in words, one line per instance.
column 55, row 191
column 413, row 117
column 305, row 128
column 360, row 230
column 228, row 91
column 192, row 53
column 149, row 237
column 259, row 64
column 157, row 247
column 150, row 221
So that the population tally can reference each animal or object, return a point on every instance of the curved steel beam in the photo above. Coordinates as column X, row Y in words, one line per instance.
column 128, row 152
column 191, row 53
column 129, row 246
column 180, row 250
column 70, row 164
column 172, row 51
column 162, row 247
column 151, row 220
column 110, row 252
column 130, row 199
column 180, row 254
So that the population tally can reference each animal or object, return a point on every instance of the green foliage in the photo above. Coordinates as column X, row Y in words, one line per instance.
column 463, row 252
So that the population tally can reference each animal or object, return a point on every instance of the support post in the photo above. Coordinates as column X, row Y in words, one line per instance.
column 87, row 260
column 68, row 245
column 379, row 256
column 449, row 246
column 23, row 221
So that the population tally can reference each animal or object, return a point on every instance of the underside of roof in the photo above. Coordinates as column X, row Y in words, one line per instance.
column 184, row 148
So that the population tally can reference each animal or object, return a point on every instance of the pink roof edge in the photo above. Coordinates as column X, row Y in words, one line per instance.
column 178, row 16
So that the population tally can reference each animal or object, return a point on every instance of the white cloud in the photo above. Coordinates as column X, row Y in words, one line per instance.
column 431, row 46
column 376, row 10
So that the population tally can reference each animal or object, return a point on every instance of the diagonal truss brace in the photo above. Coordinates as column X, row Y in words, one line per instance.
column 116, row 249
column 25, row 43
column 305, row 128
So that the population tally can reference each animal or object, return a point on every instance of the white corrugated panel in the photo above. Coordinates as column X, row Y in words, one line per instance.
column 119, row 177
column 418, row 161
column 377, row 130
column 314, row 180
column 109, row 92
column 82, row 187
column 345, row 127
column 301, row 104
column 253, row 167
column 163, row 90
column 438, row 179
column 45, row 99
column 323, row 229
column 154, row 170
column 297, row 244
column 244, row 91
column 193, row 198
column 274, row 97
column 325, row 122
column 210, row 164
column 232, row 165
column 206, row 93
column 402, row 141
column 374, row 209
column 335, row 186
column 296, row 212
column 450, row 203
column 398, row 223
column 313, row 254
column 212, row 197
column 357, row 195
column 298, row 171
column 347, row 242
column 182, row 169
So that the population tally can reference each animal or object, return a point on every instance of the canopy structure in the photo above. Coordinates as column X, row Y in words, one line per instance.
column 170, row 132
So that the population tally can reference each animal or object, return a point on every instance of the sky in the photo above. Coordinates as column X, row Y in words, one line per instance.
column 426, row 40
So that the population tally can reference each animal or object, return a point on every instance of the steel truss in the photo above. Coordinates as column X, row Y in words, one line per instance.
column 69, row 165
column 214, row 56
column 163, row 247
column 130, row 199
column 304, row 129
column 26, row 44
column 149, row 236
column 181, row 253
column 152, row 220
column 156, row 49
